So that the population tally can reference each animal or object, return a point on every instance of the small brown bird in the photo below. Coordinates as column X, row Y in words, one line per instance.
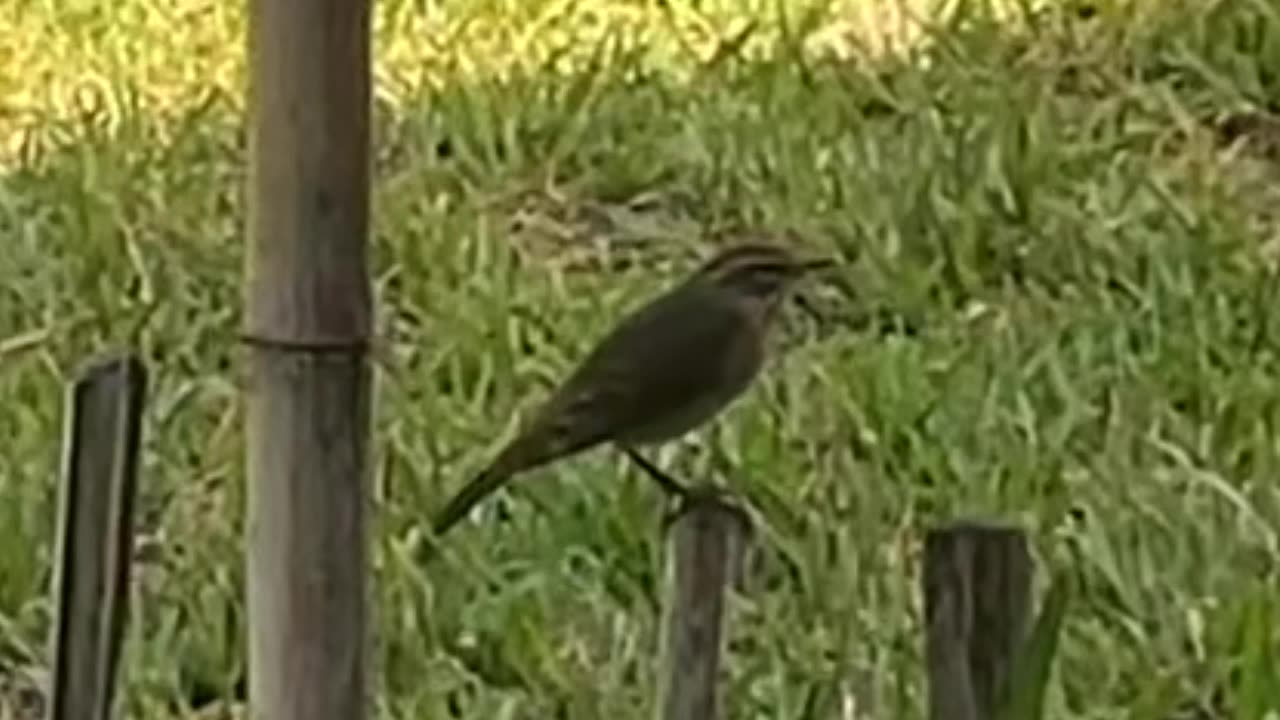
column 664, row 370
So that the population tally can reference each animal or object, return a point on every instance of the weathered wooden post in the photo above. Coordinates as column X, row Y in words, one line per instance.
column 708, row 542
column 977, row 595
column 307, row 328
column 95, row 536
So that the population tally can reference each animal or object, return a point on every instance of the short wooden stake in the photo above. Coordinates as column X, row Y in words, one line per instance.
column 95, row 536
column 977, row 593
column 708, row 538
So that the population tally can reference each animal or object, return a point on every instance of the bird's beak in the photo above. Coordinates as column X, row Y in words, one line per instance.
column 805, row 267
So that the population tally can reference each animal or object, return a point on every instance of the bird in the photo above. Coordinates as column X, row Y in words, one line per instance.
column 664, row 370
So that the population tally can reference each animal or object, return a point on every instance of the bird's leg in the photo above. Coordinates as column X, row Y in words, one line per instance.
column 686, row 496
column 669, row 485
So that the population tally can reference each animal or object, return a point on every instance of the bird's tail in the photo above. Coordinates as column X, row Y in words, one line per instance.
column 480, row 487
column 540, row 444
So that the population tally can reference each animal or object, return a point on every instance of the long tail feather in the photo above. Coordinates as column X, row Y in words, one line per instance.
column 537, row 446
column 467, row 498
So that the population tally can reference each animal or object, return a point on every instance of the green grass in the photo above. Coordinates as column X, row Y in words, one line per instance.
column 1060, row 240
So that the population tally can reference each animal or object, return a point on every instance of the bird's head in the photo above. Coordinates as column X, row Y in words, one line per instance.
column 757, row 272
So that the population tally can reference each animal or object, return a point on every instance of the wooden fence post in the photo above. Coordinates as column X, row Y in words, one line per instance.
column 95, row 536
column 708, row 539
column 977, row 592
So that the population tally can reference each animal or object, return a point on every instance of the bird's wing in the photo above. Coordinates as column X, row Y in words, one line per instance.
column 661, row 358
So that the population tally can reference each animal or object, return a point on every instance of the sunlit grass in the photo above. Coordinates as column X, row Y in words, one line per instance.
column 1056, row 309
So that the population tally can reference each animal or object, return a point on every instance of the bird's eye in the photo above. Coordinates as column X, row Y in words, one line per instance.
column 763, row 282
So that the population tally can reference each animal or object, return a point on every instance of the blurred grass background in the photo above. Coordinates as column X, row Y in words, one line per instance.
column 1059, row 229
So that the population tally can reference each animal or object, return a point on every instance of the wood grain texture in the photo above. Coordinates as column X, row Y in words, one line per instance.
column 307, row 537
column 306, row 275
column 95, row 536
column 308, row 318
column 708, row 540
column 977, row 593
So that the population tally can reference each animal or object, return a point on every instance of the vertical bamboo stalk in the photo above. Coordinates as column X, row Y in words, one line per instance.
column 708, row 539
column 307, row 326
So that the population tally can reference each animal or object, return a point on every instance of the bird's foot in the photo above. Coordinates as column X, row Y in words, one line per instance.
column 686, row 496
column 704, row 496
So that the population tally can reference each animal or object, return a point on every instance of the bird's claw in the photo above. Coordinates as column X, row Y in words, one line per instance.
column 701, row 496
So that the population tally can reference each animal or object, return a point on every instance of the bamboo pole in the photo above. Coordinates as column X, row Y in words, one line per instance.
column 307, row 327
